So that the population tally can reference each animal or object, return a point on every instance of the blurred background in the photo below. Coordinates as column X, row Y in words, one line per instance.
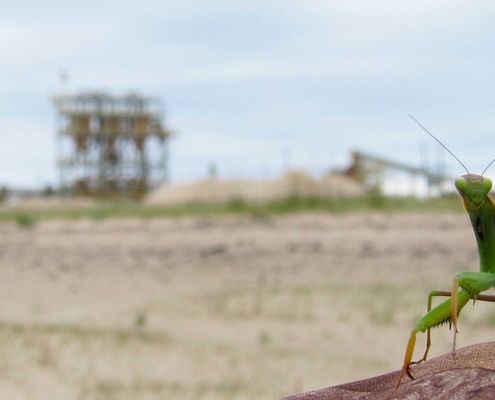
column 228, row 200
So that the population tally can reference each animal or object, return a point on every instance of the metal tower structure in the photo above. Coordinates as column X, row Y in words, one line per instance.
column 110, row 145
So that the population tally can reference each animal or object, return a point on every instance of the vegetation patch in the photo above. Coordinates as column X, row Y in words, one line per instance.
column 126, row 209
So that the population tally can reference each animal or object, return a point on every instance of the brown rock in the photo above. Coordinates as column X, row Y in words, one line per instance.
column 470, row 376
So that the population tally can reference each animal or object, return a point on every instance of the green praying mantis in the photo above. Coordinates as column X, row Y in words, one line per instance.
column 474, row 190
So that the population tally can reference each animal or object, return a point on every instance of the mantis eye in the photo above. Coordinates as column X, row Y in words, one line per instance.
column 485, row 185
column 461, row 184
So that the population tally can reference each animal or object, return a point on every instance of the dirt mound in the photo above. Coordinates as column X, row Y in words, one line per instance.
column 295, row 183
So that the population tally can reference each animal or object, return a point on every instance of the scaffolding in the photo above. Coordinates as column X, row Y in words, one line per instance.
column 110, row 145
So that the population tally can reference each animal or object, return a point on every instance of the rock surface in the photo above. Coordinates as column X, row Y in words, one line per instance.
column 470, row 376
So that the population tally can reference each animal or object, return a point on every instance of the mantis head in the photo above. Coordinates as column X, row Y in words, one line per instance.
column 473, row 188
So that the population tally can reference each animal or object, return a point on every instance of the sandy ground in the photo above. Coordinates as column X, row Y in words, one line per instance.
column 221, row 308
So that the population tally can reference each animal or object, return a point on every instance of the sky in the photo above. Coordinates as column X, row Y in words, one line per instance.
column 257, row 86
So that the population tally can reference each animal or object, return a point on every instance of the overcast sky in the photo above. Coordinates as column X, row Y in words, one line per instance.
column 255, row 85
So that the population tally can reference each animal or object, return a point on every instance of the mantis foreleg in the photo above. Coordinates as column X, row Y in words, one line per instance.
column 438, row 315
column 472, row 283
column 432, row 294
column 444, row 293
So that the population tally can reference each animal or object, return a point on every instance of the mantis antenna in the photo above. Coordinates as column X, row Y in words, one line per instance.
column 445, row 147
column 488, row 166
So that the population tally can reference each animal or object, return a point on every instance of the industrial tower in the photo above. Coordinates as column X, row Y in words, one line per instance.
column 110, row 145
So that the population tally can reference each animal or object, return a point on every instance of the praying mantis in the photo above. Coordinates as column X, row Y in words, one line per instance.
column 474, row 190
